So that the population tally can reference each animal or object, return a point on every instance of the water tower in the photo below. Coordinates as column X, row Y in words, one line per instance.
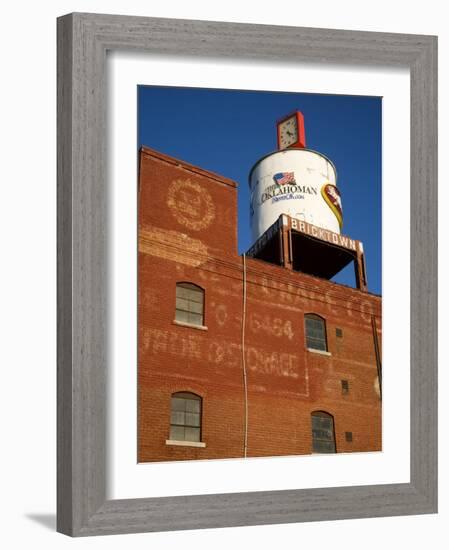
column 296, row 209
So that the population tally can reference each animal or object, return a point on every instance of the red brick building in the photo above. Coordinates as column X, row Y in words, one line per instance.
column 239, row 355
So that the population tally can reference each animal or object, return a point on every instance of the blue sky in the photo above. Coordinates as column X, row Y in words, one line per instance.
column 227, row 131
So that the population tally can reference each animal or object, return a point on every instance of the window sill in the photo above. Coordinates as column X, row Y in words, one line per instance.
column 315, row 453
column 185, row 443
column 189, row 325
column 319, row 351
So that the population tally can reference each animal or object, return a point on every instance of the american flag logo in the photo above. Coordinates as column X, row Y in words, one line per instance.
column 282, row 178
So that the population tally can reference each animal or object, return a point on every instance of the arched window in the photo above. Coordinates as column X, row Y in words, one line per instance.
column 323, row 435
column 189, row 304
column 185, row 421
column 315, row 332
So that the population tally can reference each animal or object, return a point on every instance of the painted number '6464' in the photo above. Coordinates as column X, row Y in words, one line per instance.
column 272, row 326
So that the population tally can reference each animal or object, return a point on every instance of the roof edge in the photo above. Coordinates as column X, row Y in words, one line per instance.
column 187, row 166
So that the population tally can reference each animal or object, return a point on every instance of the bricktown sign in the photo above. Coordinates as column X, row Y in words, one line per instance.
column 308, row 229
column 324, row 234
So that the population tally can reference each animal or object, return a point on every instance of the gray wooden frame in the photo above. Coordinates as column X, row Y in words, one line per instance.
column 83, row 40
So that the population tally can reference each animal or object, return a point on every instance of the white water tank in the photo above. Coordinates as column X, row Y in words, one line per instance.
column 299, row 182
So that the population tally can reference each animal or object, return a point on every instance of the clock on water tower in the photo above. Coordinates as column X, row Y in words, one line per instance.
column 291, row 131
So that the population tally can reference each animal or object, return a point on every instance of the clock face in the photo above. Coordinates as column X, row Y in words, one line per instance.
column 288, row 132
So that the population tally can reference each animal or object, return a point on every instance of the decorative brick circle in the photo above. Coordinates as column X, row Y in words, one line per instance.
column 190, row 204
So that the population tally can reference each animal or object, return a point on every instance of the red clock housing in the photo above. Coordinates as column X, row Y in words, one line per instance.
column 300, row 143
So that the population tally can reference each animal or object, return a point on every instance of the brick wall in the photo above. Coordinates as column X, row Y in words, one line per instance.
column 187, row 232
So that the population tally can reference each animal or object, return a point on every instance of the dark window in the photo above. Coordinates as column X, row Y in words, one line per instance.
column 323, row 439
column 189, row 304
column 185, row 422
column 344, row 387
column 339, row 333
column 348, row 436
column 315, row 332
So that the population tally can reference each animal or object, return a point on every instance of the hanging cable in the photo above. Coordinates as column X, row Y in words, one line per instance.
column 245, row 382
